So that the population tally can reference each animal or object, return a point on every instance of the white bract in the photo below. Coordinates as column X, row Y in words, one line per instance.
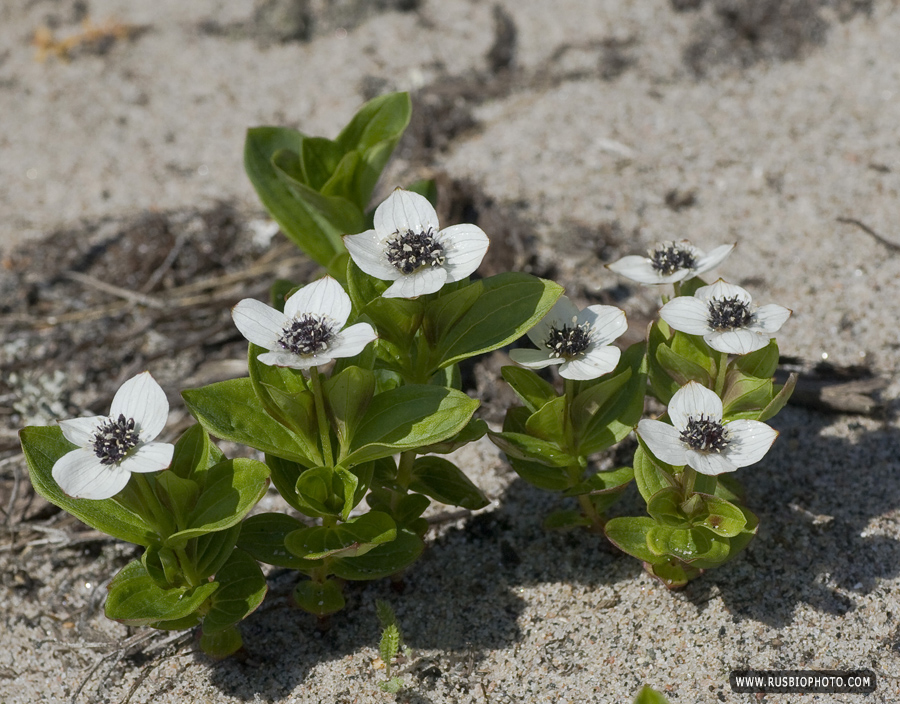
column 577, row 340
column 311, row 330
column 670, row 262
column 407, row 248
column 699, row 438
column 725, row 316
column 111, row 447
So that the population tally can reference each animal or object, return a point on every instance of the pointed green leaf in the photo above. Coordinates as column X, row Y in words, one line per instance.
column 319, row 493
column 395, row 319
column 780, row 400
column 242, row 587
column 549, row 422
column 42, row 447
column 744, row 393
column 443, row 481
column 347, row 396
column 319, row 158
column 474, row 430
column 507, row 306
column 135, row 599
column 762, row 363
column 724, row 518
column 213, row 550
column 407, row 418
column 603, row 482
column 231, row 410
column 680, row 369
column 650, row 474
column 363, row 288
column 233, row 487
column 687, row 544
column 562, row 520
column 191, row 454
column 529, row 387
column 526, row 447
column 665, row 507
column 662, row 386
column 314, row 236
column 178, row 495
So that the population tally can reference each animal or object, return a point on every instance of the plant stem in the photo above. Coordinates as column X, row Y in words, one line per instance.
column 321, row 418
column 156, row 513
column 688, row 478
column 187, row 567
column 404, row 468
column 722, row 369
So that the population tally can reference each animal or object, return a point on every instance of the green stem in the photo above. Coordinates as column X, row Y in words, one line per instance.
column 587, row 508
column 568, row 426
column 321, row 418
column 722, row 369
column 404, row 477
column 676, row 287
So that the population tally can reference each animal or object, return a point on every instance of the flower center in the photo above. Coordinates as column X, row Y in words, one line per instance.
column 704, row 434
column 669, row 257
column 729, row 313
column 307, row 335
column 114, row 439
column 568, row 342
column 410, row 251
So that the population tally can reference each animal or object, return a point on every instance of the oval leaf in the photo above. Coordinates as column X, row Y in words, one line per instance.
column 136, row 600
column 242, row 587
column 443, row 481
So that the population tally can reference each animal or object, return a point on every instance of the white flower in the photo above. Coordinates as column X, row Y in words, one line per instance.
column 725, row 316
column 699, row 438
column 111, row 447
column 578, row 340
column 407, row 248
column 670, row 262
column 311, row 330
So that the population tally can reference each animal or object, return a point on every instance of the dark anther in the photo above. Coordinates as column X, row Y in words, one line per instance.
column 306, row 335
column 728, row 314
column 113, row 440
column 705, row 435
column 568, row 342
column 411, row 251
column 670, row 257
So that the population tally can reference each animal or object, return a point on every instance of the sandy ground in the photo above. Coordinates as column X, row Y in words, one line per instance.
column 598, row 127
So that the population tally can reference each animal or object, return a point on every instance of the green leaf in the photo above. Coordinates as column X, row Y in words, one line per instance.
column 233, row 487
column 694, row 349
column 443, row 481
column 662, row 386
column 562, row 520
column 395, row 319
column 474, row 430
column 347, row 396
column 163, row 567
column 231, row 410
column 285, row 396
column 355, row 537
column 587, row 404
column 688, row 544
column 242, row 587
column 507, row 306
column 319, row 492
column 525, row 447
column 408, row 418
column 680, row 369
column 672, row 572
column 650, row 696
column 221, row 645
column 650, row 474
column 213, row 550
column 279, row 292
column 724, row 518
column 780, row 400
column 409, row 509
column 549, row 422
column 529, row 387
column 191, row 456
column 630, row 535
column 739, row 542
column 447, row 308
column 319, row 598
column 762, row 363
column 178, row 495
column 263, row 535
column 375, row 131
column 665, row 507
column 383, row 560
column 136, row 600
column 42, row 447
column 622, row 411
column 744, row 393
column 328, row 209
column 603, row 482
column 319, row 158
column 363, row 288
column 427, row 188
column 312, row 235
column 540, row 475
